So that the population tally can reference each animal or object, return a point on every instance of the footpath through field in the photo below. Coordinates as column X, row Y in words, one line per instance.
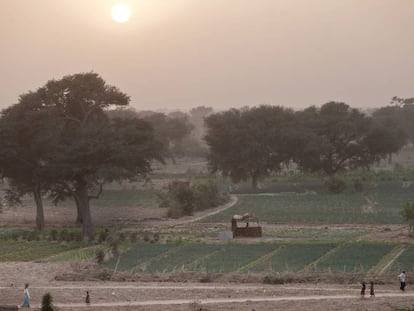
column 209, row 301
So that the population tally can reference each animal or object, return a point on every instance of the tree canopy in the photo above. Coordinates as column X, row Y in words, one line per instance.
column 73, row 143
column 249, row 143
column 337, row 137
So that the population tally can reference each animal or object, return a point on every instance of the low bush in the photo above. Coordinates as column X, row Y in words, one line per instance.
column 335, row 184
column 47, row 303
column 183, row 199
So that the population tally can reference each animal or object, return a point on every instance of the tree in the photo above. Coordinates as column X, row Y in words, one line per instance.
column 390, row 119
column 337, row 137
column 26, row 135
column 88, row 149
column 249, row 143
column 400, row 111
column 171, row 130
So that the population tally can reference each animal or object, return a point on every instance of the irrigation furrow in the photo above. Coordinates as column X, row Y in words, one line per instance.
column 320, row 259
column 259, row 260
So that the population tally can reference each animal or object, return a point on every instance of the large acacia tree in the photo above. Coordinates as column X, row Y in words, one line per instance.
column 336, row 137
column 249, row 143
column 27, row 135
column 88, row 148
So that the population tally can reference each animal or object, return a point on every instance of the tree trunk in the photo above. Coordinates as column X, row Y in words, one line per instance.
column 78, row 210
column 40, row 217
column 255, row 181
column 81, row 193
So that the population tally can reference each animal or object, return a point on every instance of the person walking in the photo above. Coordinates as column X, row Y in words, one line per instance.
column 363, row 288
column 371, row 289
column 26, row 296
column 401, row 277
column 88, row 298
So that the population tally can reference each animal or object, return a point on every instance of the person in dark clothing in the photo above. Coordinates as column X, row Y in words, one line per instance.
column 88, row 298
column 363, row 289
column 371, row 289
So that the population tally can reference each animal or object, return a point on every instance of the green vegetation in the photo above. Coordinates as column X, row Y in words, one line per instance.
column 184, row 198
column 257, row 258
column 315, row 234
column 291, row 258
column 79, row 254
column 126, row 198
column 137, row 257
column 380, row 204
column 32, row 250
column 47, row 303
column 354, row 257
column 404, row 262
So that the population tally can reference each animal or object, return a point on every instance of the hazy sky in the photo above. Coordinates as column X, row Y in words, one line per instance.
column 218, row 53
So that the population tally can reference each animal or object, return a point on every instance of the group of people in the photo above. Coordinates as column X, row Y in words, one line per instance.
column 371, row 289
column 26, row 297
column 401, row 277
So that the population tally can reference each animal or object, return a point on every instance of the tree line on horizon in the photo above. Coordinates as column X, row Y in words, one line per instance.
column 71, row 136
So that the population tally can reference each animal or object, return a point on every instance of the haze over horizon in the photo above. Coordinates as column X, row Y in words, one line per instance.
column 179, row 54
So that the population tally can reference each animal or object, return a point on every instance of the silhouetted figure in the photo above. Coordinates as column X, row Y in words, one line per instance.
column 88, row 298
column 363, row 289
column 371, row 289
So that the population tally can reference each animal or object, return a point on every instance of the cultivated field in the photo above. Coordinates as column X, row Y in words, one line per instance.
column 316, row 248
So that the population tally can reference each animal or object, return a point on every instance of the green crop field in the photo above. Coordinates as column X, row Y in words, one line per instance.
column 185, row 257
column 233, row 257
column 387, row 200
column 405, row 262
column 291, row 258
column 81, row 254
column 257, row 258
column 34, row 250
column 138, row 255
column 332, row 234
column 354, row 257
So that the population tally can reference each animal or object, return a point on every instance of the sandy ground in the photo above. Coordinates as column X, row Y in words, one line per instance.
column 189, row 296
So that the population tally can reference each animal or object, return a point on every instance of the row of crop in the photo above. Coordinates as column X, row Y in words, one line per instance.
column 257, row 258
column 405, row 261
column 381, row 205
column 34, row 250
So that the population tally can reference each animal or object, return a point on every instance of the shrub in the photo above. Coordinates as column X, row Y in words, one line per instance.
column 134, row 237
column 53, row 235
column 268, row 279
column 207, row 195
column 408, row 214
column 183, row 199
column 47, row 304
column 335, row 184
column 358, row 186
column 103, row 235
column 100, row 256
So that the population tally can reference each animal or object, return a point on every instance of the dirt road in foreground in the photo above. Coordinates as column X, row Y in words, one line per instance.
column 210, row 297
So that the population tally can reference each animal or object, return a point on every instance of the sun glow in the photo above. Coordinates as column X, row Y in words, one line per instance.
column 121, row 13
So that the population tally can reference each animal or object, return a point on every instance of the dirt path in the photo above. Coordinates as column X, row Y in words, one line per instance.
column 233, row 200
column 191, row 297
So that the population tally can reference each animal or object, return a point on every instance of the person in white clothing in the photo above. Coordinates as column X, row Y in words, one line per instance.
column 401, row 277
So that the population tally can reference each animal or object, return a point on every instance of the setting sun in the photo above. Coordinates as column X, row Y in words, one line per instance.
column 121, row 13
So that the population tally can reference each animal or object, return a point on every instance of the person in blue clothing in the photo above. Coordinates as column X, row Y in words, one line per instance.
column 26, row 296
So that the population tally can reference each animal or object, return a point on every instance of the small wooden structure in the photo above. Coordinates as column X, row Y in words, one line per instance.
column 246, row 225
